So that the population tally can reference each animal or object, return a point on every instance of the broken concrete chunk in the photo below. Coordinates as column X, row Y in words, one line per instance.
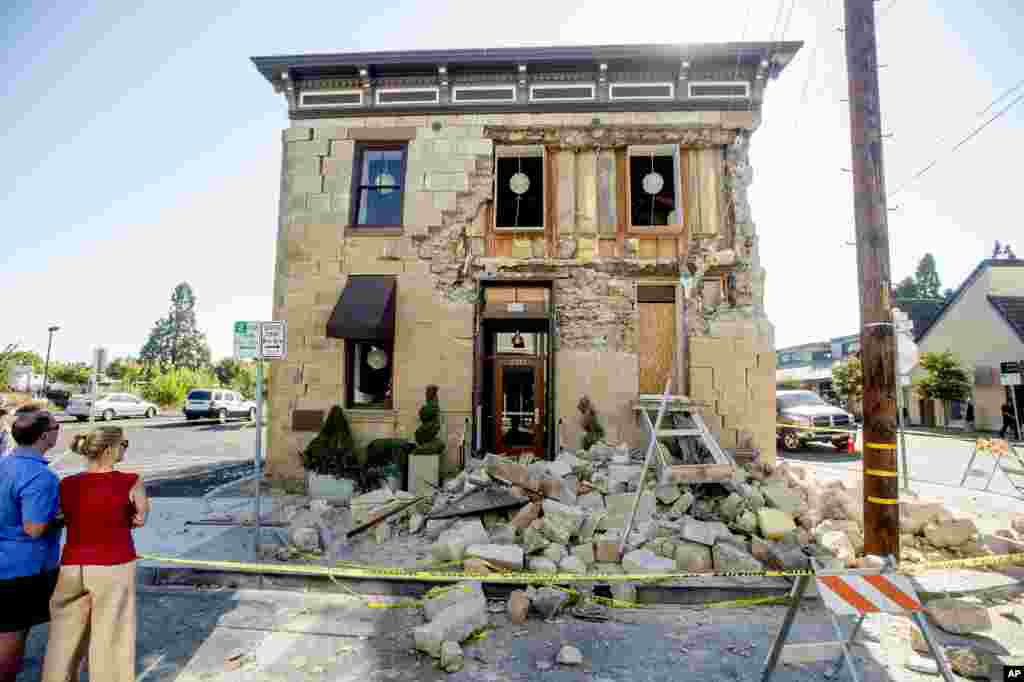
column 445, row 597
column 958, row 616
column 518, row 607
column 526, row 516
column 572, row 564
column 623, row 477
column 561, row 521
column 434, row 528
column 591, row 501
column 503, row 556
column 584, row 553
column 951, row 533
column 726, row 556
column 539, row 564
column 694, row 557
column 306, row 538
column 838, row 545
column 555, row 552
column 704, row 532
column 569, row 655
column 683, row 504
column 559, row 469
column 779, row 496
column 451, row 546
column 731, row 507
column 774, row 523
column 785, row 556
column 759, row 548
column 503, row 535
column 454, row 624
column 646, row 561
column 452, row 659
column 590, row 525
column 472, row 566
column 667, row 493
column 624, row 591
column 969, row 661
column 746, row 523
column 917, row 512
column 606, row 551
column 534, row 540
column 548, row 601
column 620, row 506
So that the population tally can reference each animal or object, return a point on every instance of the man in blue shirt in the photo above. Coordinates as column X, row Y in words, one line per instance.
column 29, row 535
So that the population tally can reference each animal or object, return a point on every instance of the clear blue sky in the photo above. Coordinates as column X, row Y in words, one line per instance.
column 141, row 148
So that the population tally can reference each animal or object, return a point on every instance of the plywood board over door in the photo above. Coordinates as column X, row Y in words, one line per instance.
column 657, row 336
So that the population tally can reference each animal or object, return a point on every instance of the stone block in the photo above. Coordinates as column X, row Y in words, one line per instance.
column 916, row 513
column 572, row 564
column 311, row 184
column 838, row 544
column 452, row 544
column 454, row 624
column 561, row 520
column 623, row 477
column 727, row 556
column 951, row 533
column 525, row 516
column 309, row 148
column 646, row 561
column 606, row 551
column 434, row 605
column 589, row 526
column 503, row 535
column 693, row 556
column 503, row 556
column 667, row 493
column 539, row 564
column 547, row 601
column 774, row 524
column 591, row 501
column 297, row 134
column 620, row 506
column 518, row 607
column 534, row 540
column 958, row 616
column 585, row 553
column 703, row 532
column 555, row 552
column 779, row 496
column 452, row 658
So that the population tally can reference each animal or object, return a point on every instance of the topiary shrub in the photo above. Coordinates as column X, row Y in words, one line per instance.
column 593, row 432
column 333, row 446
column 427, row 442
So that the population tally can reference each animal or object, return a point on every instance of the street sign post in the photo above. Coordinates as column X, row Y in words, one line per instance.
column 99, row 364
column 260, row 341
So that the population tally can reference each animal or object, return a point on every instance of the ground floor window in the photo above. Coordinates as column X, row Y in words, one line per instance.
column 369, row 367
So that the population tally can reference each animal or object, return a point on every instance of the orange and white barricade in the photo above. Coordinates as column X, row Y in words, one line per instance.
column 856, row 593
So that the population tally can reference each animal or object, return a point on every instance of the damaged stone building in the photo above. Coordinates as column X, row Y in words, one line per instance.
column 521, row 227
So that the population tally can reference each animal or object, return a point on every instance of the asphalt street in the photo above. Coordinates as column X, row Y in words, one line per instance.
column 166, row 447
column 936, row 466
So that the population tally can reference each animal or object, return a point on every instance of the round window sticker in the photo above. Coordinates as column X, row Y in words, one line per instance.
column 377, row 358
column 653, row 182
column 519, row 183
column 384, row 183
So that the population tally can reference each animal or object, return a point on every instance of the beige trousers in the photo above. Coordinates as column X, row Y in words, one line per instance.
column 92, row 612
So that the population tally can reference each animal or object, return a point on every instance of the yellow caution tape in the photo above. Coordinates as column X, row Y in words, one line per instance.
column 883, row 500
column 800, row 427
column 881, row 446
column 753, row 601
column 518, row 577
column 883, row 473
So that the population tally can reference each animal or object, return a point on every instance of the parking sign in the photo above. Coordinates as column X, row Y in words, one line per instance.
column 274, row 337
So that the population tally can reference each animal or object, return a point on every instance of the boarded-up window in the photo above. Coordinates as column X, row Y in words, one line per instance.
column 654, row 190
column 519, row 189
column 703, row 190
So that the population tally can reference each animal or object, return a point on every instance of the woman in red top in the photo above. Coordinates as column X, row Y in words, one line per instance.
column 93, row 607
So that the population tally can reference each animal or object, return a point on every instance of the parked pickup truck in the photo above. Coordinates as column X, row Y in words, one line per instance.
column 797, row 412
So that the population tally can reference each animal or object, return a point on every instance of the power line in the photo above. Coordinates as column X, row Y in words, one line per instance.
column 970, row 136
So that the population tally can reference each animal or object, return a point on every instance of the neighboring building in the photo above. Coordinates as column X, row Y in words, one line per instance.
column 511, row 225
column 983, row 324
column 811, row 363
column 22, row 379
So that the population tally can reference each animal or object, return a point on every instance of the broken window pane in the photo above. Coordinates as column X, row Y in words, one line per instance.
column 652, row 191
column 520, row 192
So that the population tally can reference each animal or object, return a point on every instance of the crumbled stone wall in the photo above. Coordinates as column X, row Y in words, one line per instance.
column 441, row 252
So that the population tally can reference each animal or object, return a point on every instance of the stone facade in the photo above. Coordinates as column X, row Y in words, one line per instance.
column 447, row 244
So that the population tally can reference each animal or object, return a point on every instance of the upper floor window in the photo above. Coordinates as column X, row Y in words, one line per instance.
column 378, row 185
column 654, row 191
column 520, row 188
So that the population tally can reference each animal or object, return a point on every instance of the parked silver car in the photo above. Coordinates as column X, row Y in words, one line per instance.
column 110, row 406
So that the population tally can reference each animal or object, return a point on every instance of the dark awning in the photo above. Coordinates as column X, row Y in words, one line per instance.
column 365, row 311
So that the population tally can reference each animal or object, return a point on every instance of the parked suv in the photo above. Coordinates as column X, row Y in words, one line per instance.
column 218, row 403
column 807, row 409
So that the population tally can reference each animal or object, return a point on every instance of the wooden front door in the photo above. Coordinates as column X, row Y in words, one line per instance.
column 519, row 405
column 657, row 345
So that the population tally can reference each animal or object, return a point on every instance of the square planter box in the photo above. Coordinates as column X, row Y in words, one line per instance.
column 329, row 487
column 424, row 468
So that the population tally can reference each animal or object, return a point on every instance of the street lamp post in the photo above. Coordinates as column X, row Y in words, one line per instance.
column 46, row 367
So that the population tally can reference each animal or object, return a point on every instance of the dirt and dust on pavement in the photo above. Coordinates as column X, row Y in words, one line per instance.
column 192, row 635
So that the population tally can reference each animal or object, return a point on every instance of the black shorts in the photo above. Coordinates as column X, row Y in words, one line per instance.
column 26, row 600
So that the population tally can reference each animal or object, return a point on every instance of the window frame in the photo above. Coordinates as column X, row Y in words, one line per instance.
column 355, row 193
column 680, row 197
column 506, row 152
column 349, row 360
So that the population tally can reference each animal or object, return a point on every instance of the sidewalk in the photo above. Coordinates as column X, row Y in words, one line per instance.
column 220, row 636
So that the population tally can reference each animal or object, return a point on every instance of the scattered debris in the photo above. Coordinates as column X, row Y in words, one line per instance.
column 569, row 655
column 452, row 658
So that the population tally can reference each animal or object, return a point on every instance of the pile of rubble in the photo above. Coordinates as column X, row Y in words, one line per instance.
column 572, row 513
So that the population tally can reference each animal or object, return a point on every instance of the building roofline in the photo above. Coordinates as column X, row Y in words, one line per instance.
column 995, row 301
column 779, row 54
column 969, row 280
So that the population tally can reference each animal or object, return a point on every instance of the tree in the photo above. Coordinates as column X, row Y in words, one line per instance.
column 945, row 379
column 906, row 289
column 228, row 371
column 928, row 283
column 848, row 380
column 175, row 339
column 74, row 373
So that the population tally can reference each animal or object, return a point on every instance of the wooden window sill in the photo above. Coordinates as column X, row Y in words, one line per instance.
column 374, row 231
column 662, row 230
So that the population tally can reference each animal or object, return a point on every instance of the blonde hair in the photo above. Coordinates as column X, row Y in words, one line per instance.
column 92, row 445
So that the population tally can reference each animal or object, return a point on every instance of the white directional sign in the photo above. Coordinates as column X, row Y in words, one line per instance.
column 1010, row 373
column 247, row 340
column 274, row 339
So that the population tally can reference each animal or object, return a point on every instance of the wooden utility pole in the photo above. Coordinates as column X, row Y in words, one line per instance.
column 877, row 338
